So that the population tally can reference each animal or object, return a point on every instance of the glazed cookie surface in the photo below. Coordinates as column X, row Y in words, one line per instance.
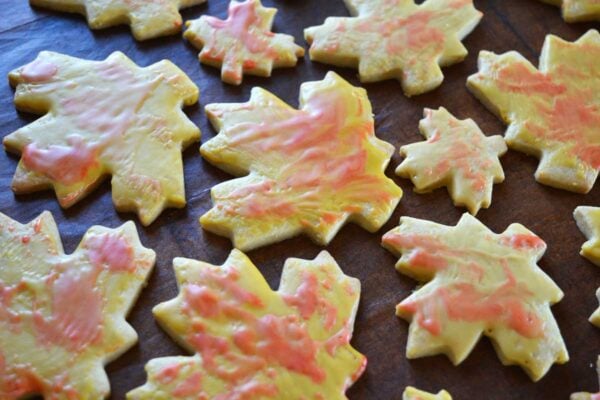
column 310, row 170
column 588, row 221
column 62, row 317
column 588, row 396
column 396, row 39
column 578, row 10
column 457, row 155
column 477, row 282
column 411, row 393
column 103, row 118
column 553, row 113
column 148, row 18
column 243, row 43
column 252, row 342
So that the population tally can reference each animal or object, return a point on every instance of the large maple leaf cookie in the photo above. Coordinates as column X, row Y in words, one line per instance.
column 588, row 396
column 398, row 39
column 456, row 154
column 311, row 169
column 243, row 43
column 478, row 282
column 104, row 118
column 588, row 221
column 252, row 342
column 148, row 18
column 554, row 112
column 578, row 10
column 411, row 393
column 62, row 317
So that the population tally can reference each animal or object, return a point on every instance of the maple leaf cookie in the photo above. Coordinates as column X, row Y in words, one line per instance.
column 252, row 342
column 148, row 18
column 477, row 282
column 411, row 393
column 588, row 221
column 62, row 317
column 456, row 154
column 387, row 39
column 310, row 170
column 554, row 112
column 243, row 43
column 588, row 396
column 104, row 118
column 578, row 10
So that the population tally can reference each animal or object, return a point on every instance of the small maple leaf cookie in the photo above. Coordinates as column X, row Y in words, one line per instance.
column 250, row 341
column 411, row 393
column 578, row 10
column 588, row 221
column 588, row 396
column 456, row 154
column 62, row 317
column 104, row 118
column 148, row 18
column 310, row 170
column 476, row 281
column 243, row 43
column 553, row 113
column 398, row 39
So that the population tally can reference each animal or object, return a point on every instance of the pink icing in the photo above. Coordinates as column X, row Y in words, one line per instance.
column 66, row 165
column 38, row 71
column 190, row 386
column 111, row 251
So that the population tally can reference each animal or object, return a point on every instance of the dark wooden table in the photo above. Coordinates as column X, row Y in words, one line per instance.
column 507, row 25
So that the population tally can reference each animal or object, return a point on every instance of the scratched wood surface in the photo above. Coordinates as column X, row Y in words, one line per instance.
column 507, row 25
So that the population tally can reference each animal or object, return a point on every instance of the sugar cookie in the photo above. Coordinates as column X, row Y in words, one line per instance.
column 411, row 393
column 588, row 221
column 578, row 10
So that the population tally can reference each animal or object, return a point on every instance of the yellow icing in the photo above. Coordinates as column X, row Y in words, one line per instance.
column 219, row 313
column 104, row 118
column 243, row 43
column 554, row 112
column 309, row 170
column 477, row 282
column 578, row 10
column 396, row 39
column 148, row 18
column 588, row 221
column 411, row 393
column 456, row 154
column 588, row 396
column 62, row 317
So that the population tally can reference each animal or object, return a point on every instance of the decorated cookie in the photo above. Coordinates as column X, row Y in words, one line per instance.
column 554, row 112
column 477, row 282
column 252, row 342
column 387, row 39
column 103, row 118
column 243, row 43
column 588, row 221
column 457, row 155
column 588, row 396
column 148, row 18
column 578, row 10
column 411, row 393
column 309, row 170
column 62, row 317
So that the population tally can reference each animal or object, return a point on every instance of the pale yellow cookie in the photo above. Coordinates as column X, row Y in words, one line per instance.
column 578, row 10
column 309, row 170
column 62, row 317
column 252, row 342
column 243, row 43
column 477, row 282
column 396, row 39
column 411, row 393
column 148, row 18
column 104, row 118
column 588, row 396
column 457, row 155
column 554, row 112
column 588, row 221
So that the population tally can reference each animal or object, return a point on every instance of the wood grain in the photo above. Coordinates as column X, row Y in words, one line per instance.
column 507, row 25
